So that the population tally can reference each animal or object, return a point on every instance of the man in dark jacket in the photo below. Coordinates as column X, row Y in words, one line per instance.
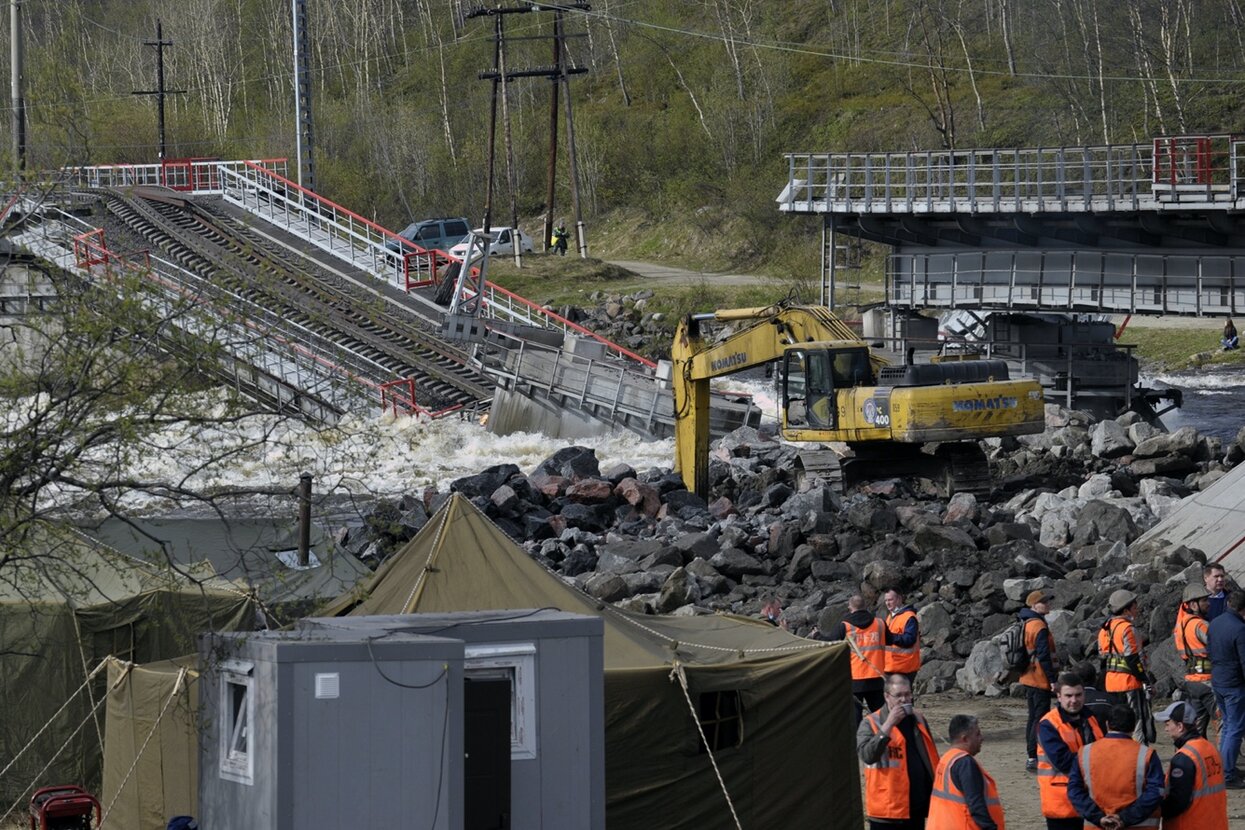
column 866, row 635
column 1227, row 679
column 1215, row 578
column 1039, row 677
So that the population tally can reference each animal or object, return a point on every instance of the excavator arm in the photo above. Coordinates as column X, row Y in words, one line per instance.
column 695, row 362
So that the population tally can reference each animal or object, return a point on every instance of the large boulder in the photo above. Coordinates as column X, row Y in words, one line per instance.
column 1109, row 440
column 1104, row 520
column 1183, row 441
column 933, row 539
column 984, row 670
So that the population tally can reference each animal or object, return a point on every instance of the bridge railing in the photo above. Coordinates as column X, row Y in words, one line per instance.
column 198, row 176
column 1107, row 281
column 980, row 180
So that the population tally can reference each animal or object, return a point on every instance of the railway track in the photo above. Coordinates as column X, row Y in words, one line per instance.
column 223, row 251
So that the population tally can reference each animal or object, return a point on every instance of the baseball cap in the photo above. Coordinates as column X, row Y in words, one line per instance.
column 1038, row 596
column 1179, row 711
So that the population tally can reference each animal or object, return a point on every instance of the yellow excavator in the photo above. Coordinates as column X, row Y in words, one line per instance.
column 832, row 388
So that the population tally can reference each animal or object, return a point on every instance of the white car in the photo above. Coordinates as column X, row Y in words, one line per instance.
column 501, row 244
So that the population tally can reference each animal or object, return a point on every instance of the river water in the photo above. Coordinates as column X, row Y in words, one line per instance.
column 382, row 456
column 1214, row 401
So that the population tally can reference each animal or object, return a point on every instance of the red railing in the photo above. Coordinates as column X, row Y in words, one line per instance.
column 415, row 254
column 1193, row 160
column 412, row 253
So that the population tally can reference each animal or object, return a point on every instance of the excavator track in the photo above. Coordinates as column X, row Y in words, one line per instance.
column 959, row 467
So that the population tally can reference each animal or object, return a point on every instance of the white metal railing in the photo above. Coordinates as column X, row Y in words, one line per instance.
column 195, row 176
column 1115, row 281
column 1204, row 170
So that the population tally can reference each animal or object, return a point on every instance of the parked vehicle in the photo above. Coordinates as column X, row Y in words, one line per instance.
column 432, row 234
column 502, row 243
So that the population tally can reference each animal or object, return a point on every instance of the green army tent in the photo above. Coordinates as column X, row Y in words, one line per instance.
column 151, row 750
column 66, row 603
column 775, row 709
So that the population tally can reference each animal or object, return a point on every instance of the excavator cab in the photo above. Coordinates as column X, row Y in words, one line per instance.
column 810, row 376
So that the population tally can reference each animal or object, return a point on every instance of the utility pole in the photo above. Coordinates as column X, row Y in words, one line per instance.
column 160, row 91
column 581, row 239
column 303, row 140
column 559, row 75
column 17, row 75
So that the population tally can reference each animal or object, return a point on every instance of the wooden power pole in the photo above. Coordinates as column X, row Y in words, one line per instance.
column 160, row 91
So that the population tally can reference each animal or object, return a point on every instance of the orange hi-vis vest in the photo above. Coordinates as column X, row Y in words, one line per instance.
column 1034, row 675
column 1209, row 810
column 1053, row 784
column 1114, row 770
column 899, row 659
column 868, row 657
column 1117, row 640
column 1191, row 638
column 886, row 782
column 948, row 809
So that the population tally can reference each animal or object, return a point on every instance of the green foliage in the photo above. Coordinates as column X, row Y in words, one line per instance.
column 681, row 120
column 1188, row 347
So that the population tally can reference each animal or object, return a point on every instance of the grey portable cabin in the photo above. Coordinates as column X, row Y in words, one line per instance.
column 475, row 720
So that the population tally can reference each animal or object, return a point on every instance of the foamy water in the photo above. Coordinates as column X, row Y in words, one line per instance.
column 361, row 455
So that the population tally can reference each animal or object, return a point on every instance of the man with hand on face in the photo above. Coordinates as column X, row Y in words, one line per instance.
column 965, row 796
column 1196, row 799
column 899, row 754
column 1061, row 735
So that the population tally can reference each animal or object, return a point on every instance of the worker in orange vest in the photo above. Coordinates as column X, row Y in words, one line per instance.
column 1192, row 636
column 965, row 797
column 1061, row 734
column 903, row 636
column 899, row 753
column 1127, row 677
column 1039, row 676
column 866, row 635
column 1117, row 782
column 1196, row 798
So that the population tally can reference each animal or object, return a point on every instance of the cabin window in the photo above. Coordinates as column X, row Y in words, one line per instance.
column 721, row 719
column 237, row 710
column 515, row 662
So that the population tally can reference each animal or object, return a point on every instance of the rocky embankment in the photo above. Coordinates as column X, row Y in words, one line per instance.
column 1067, row 505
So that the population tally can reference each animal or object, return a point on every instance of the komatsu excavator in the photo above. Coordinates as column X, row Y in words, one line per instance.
column 833, row 389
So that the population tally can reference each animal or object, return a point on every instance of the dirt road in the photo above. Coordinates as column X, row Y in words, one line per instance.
column 1003, row 754
column 669, row 275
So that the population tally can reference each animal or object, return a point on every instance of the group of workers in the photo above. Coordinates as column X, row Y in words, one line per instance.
column 1090, row 751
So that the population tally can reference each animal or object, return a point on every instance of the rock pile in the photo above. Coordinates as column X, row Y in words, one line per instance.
column 627, row 320
column 1069, row 503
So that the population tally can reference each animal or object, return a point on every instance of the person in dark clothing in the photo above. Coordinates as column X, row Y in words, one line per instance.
column 1097, row 701
column 1103, row 783
column 1227, row 679
column 560, row 237
column 1230, row 340
column 1215, row 578
column 1061, row 734
column 1195, row 796
column 1039, row 676
column 866, row 635
column 965, row 796
column 898, row 751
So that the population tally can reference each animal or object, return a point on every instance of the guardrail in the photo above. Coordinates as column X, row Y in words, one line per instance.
column 1109, row 281
column 1110, row 177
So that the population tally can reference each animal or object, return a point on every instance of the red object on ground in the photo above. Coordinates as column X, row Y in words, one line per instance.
column 64, row 807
